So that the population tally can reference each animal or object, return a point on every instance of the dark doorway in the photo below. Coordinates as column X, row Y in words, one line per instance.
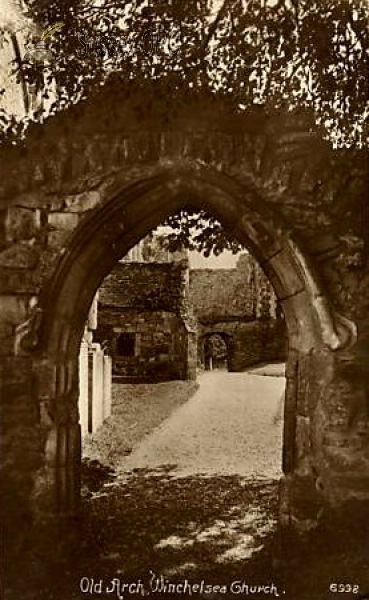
column 215, row 352
column 126, row 344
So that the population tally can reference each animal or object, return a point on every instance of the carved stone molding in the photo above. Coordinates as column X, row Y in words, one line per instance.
column 27, row 336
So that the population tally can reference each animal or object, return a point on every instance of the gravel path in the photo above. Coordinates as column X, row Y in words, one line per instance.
column 226, row 428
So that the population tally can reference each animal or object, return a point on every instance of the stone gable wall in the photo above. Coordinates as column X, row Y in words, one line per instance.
column 243, row 293
column 222, row 293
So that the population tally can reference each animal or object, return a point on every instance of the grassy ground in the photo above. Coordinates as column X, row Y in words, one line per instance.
column 137, row 410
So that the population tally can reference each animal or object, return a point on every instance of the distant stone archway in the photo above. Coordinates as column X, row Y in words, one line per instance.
column 215, row 350
column 95, row 190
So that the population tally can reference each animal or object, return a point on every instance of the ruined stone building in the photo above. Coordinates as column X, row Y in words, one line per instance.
column 239, row 307
column 145, row 323
column 152, row 249
column 157, row 318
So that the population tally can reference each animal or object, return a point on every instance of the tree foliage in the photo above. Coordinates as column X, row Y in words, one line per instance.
column 198, row 231
column 275, row 53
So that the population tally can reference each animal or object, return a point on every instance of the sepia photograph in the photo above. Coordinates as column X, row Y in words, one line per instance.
column 184, row 299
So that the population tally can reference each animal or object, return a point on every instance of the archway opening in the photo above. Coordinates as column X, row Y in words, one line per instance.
column 163, row 428
column 215, row 349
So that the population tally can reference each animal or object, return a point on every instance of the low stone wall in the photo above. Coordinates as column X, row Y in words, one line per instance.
column 248, row 343
column 258, row 342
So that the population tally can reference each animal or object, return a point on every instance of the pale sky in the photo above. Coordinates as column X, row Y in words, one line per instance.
column 11, row 16
column 226, row 260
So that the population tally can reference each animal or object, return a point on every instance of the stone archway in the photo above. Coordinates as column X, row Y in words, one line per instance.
column 85, row 204
column 215, row 350
column 92, row 251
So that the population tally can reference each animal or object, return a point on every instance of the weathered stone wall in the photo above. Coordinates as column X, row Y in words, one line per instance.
column 148, row 302
column 243, row 293
column 248, row 343
column 85, row 187
column 158, row 354
column 258, row 342
column 218, row 294
column 146, row 286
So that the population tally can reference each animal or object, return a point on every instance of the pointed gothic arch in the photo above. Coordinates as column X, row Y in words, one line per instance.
column 88, row 184
column 106, row 234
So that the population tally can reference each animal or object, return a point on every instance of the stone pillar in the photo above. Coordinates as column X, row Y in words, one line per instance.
column 107, row 386
column 95, row 377
column 83, row 387
column 289, row 431
column 192, row 355
column 56, row 489
column 96, row 392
